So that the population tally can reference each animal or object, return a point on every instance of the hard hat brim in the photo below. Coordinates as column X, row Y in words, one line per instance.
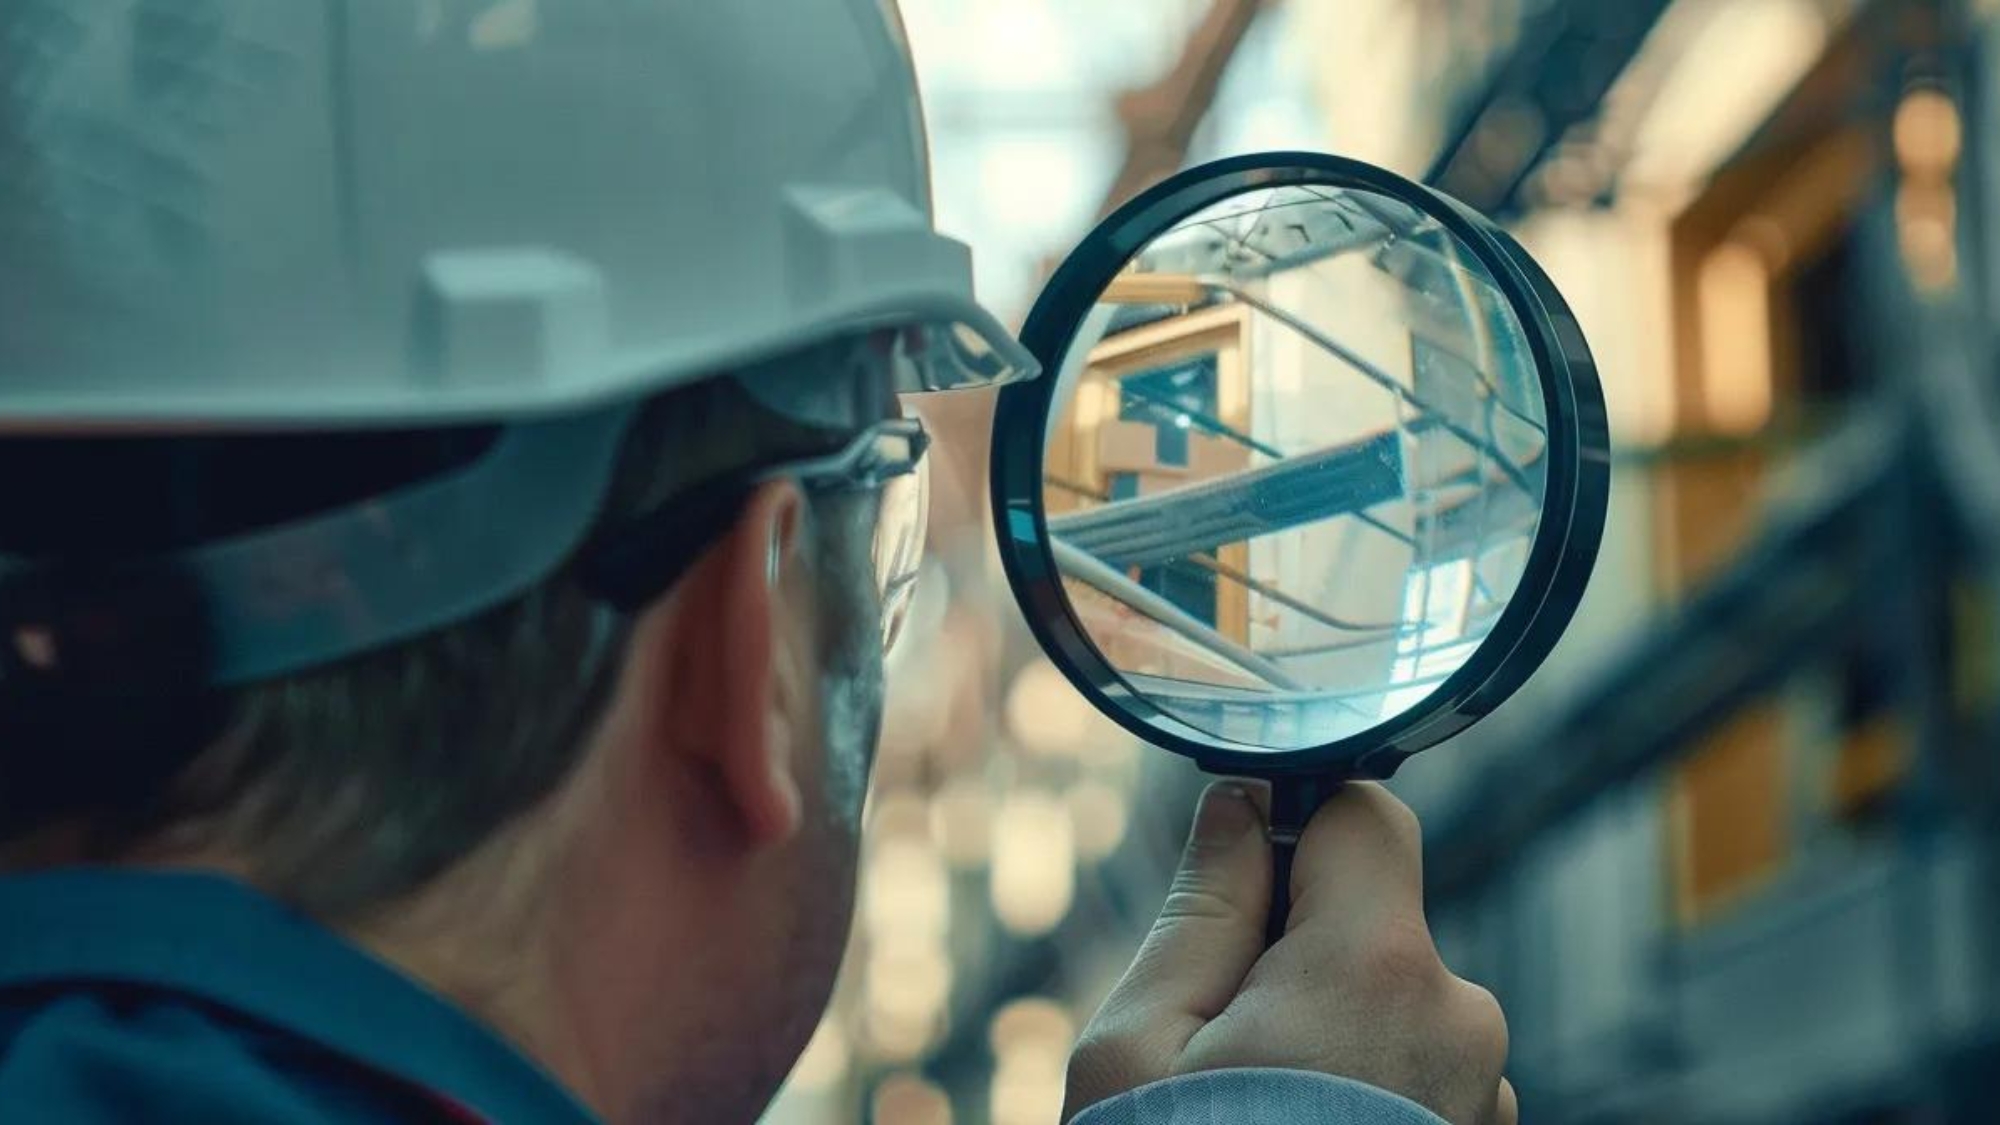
column 972, row 350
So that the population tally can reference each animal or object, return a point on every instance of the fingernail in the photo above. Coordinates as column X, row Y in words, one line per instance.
column 1226, row 812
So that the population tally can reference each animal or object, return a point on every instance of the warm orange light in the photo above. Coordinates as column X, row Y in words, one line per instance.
column 1031, row 1039
column 1735, row 301
column 1927, row 229
column 1026, row 1095
column 1929, row 140
column 1132, row 288
column 1928, row 132
column 1032, row 1024
column 905, row 1099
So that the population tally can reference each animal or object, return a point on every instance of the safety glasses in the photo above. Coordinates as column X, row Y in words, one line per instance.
column 635, row 560
column 888, row 459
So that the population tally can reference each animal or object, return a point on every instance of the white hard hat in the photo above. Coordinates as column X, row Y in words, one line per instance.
column 247, row 212
column 262, row 215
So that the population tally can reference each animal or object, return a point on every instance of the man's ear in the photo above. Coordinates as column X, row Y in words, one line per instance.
column 735, row 643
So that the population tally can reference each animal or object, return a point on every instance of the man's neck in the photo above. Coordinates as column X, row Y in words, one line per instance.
column 482, row 935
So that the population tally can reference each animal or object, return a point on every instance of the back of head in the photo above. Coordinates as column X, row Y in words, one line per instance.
column 350, row 326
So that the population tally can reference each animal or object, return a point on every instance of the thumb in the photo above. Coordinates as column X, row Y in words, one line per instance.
column 1211, row 928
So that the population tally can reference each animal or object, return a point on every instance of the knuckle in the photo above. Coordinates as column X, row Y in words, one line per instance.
column 1399, row 957
column 1397, row 818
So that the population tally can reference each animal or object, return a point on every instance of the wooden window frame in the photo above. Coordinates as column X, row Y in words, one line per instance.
column 1223, row 332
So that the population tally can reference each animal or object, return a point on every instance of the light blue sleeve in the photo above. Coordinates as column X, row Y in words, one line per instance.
column 1257, row 1097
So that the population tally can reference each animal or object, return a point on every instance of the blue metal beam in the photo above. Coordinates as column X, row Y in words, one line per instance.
column 1566, row 60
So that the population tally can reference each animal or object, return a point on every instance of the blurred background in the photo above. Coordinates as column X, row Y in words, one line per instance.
column 1731, row 855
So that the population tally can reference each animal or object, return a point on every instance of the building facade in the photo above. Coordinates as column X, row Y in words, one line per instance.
column 1728, row 857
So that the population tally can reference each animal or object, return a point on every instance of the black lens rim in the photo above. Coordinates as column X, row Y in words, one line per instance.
column 1559, row 562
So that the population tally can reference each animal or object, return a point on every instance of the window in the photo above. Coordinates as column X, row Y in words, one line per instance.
column 1164, row 403
column 1178, row 402
column 1439, row 598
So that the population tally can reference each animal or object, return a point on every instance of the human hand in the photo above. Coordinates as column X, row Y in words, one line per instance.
column 1355, row 987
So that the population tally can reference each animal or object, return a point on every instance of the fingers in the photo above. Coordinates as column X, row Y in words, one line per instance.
column 1356, row 987
column 1362, row 846
column 1359, row 976
column 1210, row 930
column 1209, row 934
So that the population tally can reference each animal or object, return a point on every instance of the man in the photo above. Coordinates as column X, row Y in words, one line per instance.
column 456, row 505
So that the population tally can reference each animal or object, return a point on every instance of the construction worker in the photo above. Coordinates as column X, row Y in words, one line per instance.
column 455, row 503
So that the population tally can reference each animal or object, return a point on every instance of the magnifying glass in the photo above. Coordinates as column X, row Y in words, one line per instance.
column 1316, row 478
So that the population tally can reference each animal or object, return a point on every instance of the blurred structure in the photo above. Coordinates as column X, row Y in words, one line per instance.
column 1729, row 857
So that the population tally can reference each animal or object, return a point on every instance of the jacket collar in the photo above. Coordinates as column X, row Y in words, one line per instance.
column 218, row 940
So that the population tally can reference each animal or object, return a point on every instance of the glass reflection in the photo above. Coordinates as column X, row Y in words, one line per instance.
column 1297, row 465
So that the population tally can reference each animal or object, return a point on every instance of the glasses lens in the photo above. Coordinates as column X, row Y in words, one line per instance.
column 899, row 544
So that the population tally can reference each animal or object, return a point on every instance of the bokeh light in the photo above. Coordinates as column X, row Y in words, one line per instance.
column 1034, row 862
column 1045, row 713
column 907, row 1099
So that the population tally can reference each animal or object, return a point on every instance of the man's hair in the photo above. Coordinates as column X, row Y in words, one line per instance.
column 353, row 784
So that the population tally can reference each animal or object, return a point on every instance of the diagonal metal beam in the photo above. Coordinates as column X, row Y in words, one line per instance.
column 1566, row 59
column 1170, row 525
column 1160, row 119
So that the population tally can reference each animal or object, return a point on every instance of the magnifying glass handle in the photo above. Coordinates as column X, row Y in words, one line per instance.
column 1293, row 802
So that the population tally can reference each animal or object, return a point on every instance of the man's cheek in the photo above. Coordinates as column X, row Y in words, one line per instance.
column 852, row 717
column 852, row 670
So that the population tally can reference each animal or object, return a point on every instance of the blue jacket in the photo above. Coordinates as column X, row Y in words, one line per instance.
column 130, row 996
